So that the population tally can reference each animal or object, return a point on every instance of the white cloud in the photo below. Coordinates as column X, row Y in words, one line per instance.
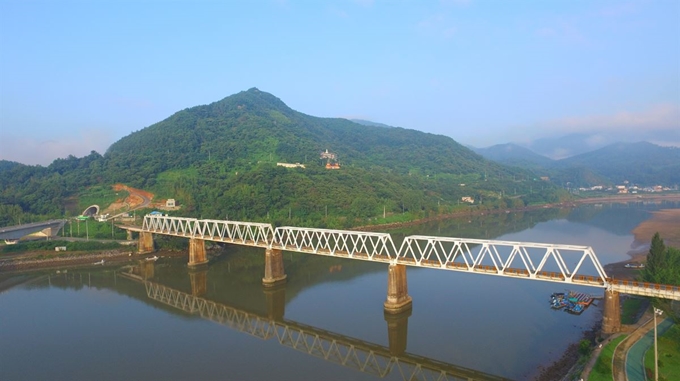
column 659, row 117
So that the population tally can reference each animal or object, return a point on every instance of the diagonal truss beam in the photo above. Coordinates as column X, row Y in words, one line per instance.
column 536, row 261
column 236, row 232
column 505, row 258
column 338, row 243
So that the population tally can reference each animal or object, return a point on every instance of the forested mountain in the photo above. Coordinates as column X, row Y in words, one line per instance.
column 640, row 163
column 369, row 123
column 219, row 160
column 6, row 165
column 561, row 147
column 513, row 154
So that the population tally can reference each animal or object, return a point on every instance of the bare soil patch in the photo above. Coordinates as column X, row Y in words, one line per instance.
column 666, row 222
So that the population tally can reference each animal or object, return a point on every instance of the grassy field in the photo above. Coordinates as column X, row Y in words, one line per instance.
column 631, row 307
column 602, row 371
column 99, row 195
column 669, row 356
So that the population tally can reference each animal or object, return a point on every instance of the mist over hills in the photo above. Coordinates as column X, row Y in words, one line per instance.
column 221, row 160
column 640, row 163
column 515, row 155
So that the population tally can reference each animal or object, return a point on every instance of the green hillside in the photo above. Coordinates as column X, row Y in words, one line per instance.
column 219, row 160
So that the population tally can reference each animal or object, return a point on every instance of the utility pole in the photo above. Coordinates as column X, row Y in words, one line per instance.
column 656, row 353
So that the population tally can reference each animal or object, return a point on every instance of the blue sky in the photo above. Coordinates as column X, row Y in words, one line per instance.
column 78, row 76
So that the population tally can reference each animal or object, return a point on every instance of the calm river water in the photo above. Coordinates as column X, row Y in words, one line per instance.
column 326, row 323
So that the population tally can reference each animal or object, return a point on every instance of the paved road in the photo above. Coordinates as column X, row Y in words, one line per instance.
column 635, row 367
column 621, row 352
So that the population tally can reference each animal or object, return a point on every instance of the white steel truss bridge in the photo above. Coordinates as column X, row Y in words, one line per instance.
column 237, row 232
column 568, row 264
column 343, row 350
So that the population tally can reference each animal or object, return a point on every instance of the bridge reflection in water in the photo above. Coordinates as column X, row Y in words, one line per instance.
column 343, row 350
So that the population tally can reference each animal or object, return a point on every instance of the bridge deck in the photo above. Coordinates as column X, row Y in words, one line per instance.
column 540, row 261
column 19, row 231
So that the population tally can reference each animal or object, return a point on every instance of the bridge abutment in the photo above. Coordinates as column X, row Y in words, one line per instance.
column 611, row 317
column 145, row 245
column 197, row 255
column 273, row 268
column 398, row 300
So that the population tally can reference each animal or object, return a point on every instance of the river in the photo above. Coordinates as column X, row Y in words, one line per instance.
column 327, row 322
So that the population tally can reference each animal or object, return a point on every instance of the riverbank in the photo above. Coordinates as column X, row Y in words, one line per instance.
column 666, row 222
column 564, row 204
column 37, row 261
column 566, row 366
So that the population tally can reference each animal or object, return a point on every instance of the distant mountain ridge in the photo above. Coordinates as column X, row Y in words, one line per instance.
column 640, row 163
column 369, row 123
column 562, row 147
column 513, row 154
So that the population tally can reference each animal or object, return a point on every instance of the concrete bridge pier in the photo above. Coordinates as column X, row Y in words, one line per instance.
column 197, row 255
column 145, row 243
column 199, row 282
column 397, row 331
column 273, row 268
column 611, row 317
column 276, row 301
column 398, row 300
column 129, row 235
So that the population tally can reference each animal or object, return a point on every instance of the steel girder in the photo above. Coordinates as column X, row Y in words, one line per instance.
column 351, row 244
column 505, row 258
column 645, row 289
column 538, row 261
column 237, row 232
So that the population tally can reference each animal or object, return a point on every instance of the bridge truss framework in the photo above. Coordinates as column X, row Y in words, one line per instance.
column 568, row 264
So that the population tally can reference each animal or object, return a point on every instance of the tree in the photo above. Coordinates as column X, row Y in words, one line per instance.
column 655, row 257
column 663, row 263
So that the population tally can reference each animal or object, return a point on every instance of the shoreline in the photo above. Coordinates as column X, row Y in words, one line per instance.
column 559, row 205
column 565, row 363
column 24, row 262
column 27, row 262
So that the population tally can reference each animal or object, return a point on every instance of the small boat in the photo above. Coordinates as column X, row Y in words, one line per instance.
column 99, row 263
column 154, row 258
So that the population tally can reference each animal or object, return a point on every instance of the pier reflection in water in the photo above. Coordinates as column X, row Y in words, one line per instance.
column 89, row 324
column 350, row 352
